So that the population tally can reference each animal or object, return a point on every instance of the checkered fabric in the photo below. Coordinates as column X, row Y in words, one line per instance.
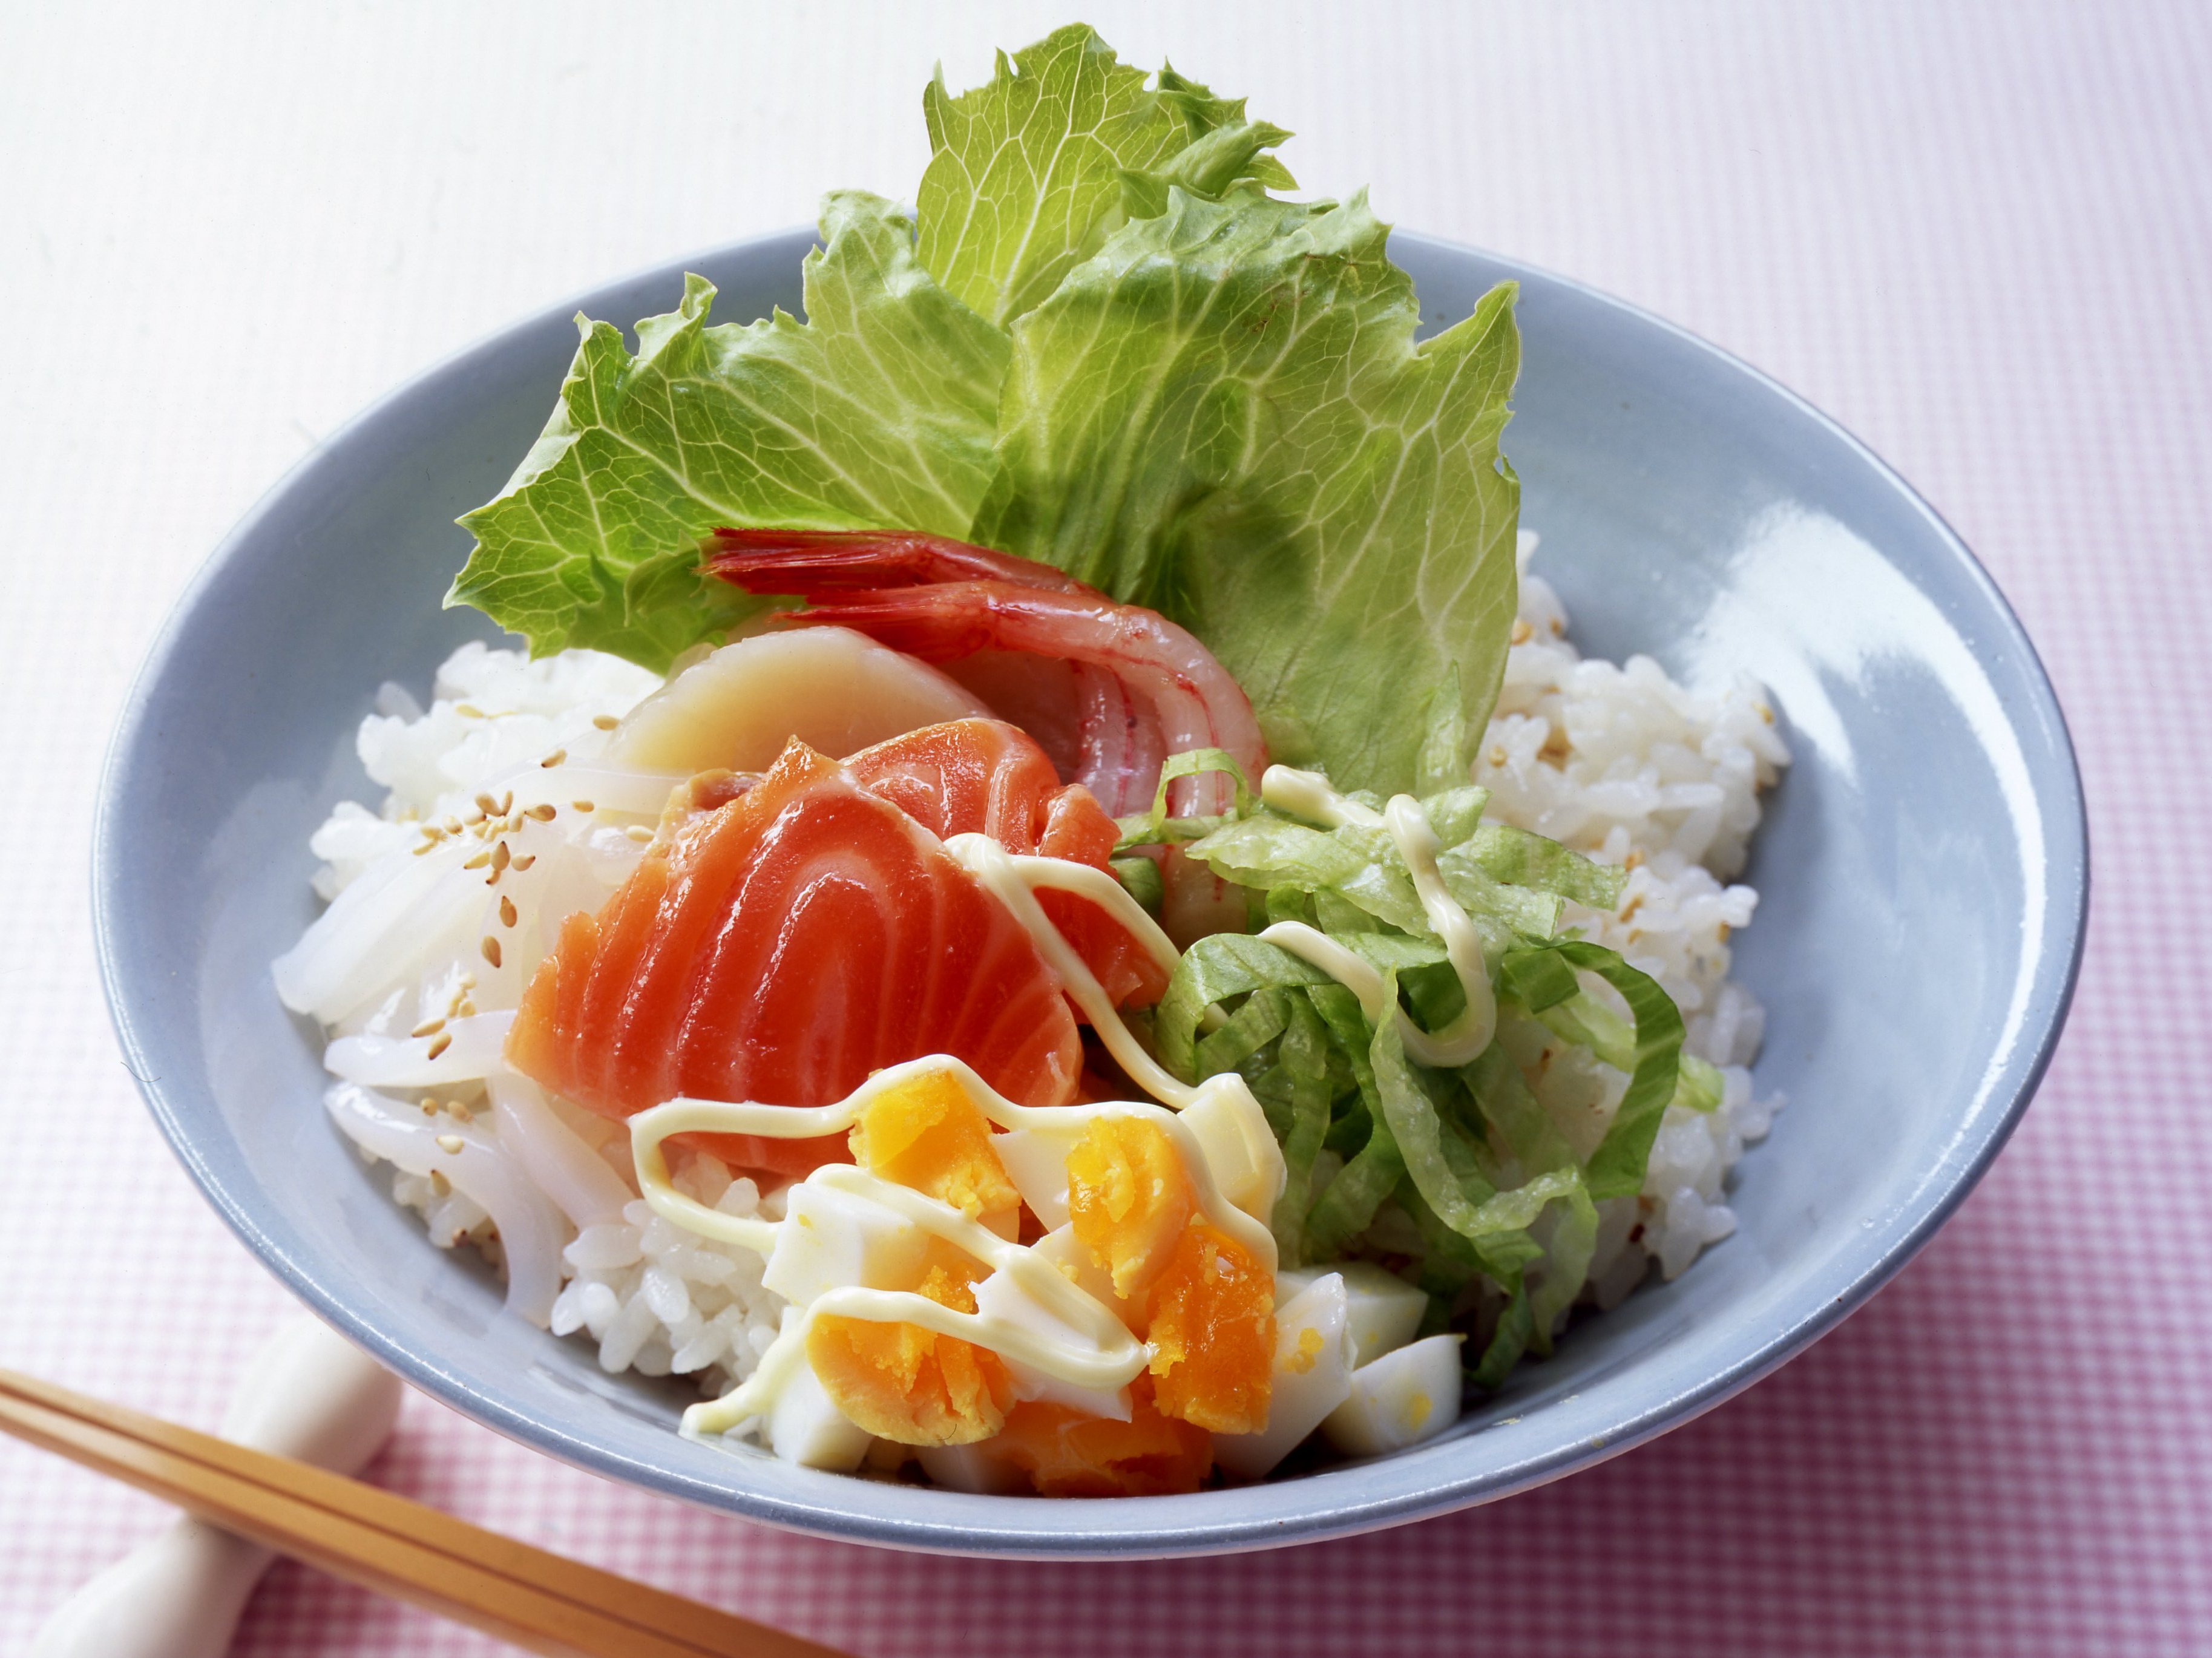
column 1978, row 234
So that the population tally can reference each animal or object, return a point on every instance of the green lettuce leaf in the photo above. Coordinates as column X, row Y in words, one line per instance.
column 1030, row 173
column 1224, row 416
column 876, row 412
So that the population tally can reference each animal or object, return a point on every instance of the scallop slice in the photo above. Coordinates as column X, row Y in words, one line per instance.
column 834, row 689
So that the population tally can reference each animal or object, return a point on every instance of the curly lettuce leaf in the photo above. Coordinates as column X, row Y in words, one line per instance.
column 1028, row 172
column 877, row 412
column 1224, row 416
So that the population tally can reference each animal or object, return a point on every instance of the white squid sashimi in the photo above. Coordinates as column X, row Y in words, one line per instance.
column 529, row 1227
column 400, row 913
column 554, row 1155
column 831, row 687
column 386, row 1061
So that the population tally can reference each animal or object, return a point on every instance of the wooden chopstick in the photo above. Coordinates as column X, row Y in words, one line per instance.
column 535, row 1600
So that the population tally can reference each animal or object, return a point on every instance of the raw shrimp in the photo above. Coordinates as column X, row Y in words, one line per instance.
column 1109, row 691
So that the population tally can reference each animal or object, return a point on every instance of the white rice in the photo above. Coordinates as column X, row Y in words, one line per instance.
column 1617, row 762
column 1621, row 763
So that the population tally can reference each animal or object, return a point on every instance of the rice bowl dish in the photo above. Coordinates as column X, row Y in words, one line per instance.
column 1584, row 754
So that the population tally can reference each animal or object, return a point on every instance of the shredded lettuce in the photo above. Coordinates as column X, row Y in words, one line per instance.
column 878, row 411
column 1490, row 1184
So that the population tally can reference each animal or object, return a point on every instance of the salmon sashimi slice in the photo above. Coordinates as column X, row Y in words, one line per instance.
column 781, row 946
column 987, row 777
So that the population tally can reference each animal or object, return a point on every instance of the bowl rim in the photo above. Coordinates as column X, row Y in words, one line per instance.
column 1156, row 1527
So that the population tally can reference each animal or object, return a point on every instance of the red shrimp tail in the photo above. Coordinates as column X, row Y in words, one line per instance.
column 817, row 564
column 942, row 624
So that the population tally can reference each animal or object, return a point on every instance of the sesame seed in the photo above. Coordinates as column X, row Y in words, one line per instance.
column 472, row 819
column 459, row 1112
column 478, row 861
column 468, row 711
column 451, row 1144
column 487, row 805
column 554, row 758
column 467, row 1010
column 453, row 826
column 1496, row 755
column 429, row 1105
column 506, row 912
column 439, row 1044
column 525, row 860
column 1523, row 633
column 467, row 980
column 439, row 1183
column 426, row 847
column 544, row 811
column 639, row 833
column 507, row 803
column 605, row 722
column 491, row 948
column 583, row 805
column 501, row 857
column 428, row 1027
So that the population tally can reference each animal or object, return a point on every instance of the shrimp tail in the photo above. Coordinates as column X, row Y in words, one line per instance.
column 819, row 564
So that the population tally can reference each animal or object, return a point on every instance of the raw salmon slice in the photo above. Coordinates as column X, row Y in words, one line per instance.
column 987, row 777
column 780, row 948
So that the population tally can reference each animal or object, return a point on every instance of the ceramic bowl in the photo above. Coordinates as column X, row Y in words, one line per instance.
column 1923, row 877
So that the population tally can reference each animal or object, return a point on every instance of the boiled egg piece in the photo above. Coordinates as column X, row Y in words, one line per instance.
column 1312, row 1377
column 1402, row 1399
column 1240, row 1149
column 804, row 1424
column 829, row 1238
column 1384, row 1310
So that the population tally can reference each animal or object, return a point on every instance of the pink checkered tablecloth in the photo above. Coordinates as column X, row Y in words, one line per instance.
column 1979, row 236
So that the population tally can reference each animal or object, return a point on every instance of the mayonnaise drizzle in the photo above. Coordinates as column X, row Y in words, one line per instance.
column 1013, row 881
column 1307, row 794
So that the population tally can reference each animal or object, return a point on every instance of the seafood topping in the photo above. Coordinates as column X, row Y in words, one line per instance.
column 1110, row 689
column 782, row 947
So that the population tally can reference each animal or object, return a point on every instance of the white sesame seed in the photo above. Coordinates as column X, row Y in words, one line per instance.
column 605, row 722
column 491, row 948
column 583, row 805
column 639, row 833
column 451, row 1144
column 544, row 811
column 505, row 911
column 428, row 1027
column 439, row 1044
column 554, row 758
column 525, row 860
column 478, row 861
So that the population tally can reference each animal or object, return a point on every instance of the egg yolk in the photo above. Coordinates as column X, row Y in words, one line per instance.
column 1128, row 1199
column 1067, row 1454
column 903, row 1382
column 927, row 1135
column 1212, row 1324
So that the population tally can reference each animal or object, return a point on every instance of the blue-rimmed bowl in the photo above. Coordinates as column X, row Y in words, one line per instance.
column 1924, row 876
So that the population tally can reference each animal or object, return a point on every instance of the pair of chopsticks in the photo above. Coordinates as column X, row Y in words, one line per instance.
column 399, row 1548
